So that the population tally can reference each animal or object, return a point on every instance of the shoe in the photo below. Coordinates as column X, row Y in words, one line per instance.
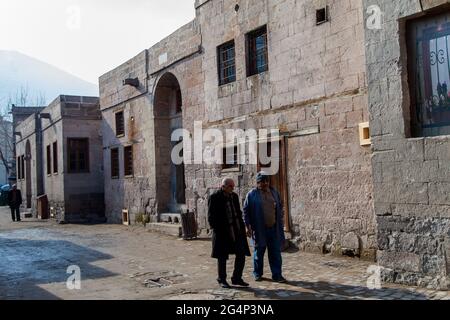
column 280, row 280
column 240, row 283
column 224, row 284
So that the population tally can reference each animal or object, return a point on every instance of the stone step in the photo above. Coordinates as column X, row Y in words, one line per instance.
column 170, row 229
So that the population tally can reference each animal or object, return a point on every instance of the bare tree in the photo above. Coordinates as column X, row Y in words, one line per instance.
column 19, row 98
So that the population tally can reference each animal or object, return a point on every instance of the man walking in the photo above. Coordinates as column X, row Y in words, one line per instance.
column 14, row 202
column 263, row 215
column 229, row 236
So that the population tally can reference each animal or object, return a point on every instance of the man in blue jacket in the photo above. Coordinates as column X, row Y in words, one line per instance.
column 263, row 216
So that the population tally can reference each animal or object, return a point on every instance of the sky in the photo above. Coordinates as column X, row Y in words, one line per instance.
column 88, row 37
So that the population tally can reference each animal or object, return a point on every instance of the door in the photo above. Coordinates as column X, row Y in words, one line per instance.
column 279, row 180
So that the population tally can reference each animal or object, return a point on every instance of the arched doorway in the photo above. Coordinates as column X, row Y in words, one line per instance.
column 28, row 173
column 170, row 178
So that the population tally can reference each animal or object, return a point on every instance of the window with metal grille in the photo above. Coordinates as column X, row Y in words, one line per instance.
column 257, row 56
column 128, row 160
column 120, row 124
column 115, row 163
column 230, row 157
column 78, row 151
column 49, row 161
column 429, row 75
column 55, row 157
column 227, row 63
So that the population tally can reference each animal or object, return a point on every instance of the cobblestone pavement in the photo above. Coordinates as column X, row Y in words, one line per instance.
column 119, row 262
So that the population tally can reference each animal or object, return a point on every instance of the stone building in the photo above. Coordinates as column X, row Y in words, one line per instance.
column 6, row 149
column 59, row 155
column 297, row 66
column 408, row 71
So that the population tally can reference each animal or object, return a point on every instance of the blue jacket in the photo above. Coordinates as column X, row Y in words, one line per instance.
column 254, row 217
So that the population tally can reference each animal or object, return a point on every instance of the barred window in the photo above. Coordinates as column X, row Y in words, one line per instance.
column 128, row 161
column 429, row 75
column 115, row 163
column 230, row 157
column 120, row 124
column 257, row 56
column 227, row 63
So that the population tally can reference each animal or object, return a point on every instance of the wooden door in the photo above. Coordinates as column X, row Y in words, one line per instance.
column 279, row 180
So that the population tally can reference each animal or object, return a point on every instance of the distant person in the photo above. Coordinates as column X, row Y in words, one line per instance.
column 229, row 236
column 263, row 215
column 14, row 202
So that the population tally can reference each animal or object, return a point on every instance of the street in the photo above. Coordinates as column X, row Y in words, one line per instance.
column 121, row 262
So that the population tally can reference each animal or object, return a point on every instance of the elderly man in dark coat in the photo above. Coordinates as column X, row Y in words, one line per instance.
column 229, row 233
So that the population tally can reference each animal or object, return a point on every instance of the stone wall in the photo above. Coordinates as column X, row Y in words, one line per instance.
column 31, row 184
column 315, row 94
column 411, row 175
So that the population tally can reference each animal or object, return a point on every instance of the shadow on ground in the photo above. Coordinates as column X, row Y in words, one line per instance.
column 25, row 264
column 325, row 290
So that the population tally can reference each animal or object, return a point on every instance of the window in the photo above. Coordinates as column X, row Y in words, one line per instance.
column 429, row 75
column 49, row 161
column 22, row 160
column 227, row 63
column 128, row 160
column 120, row 124
column 179, row 101
column 257, row 57
column 78, row 151
column 230, row 157
column 55, row 157
column 321, row 16
column 115, row 163
column 19, row 168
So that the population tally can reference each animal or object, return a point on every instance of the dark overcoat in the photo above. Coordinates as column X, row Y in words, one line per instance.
column 18, row 201
column 222, row 243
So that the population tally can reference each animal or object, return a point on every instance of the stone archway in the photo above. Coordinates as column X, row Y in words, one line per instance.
column 28, row 174
column 168, row 113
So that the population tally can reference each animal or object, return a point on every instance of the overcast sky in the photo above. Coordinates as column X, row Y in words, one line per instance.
column 88, row 37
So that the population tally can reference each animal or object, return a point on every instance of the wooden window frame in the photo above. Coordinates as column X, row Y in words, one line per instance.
column 226, row 63
column 126, row 162
column 86, row 149
column 115, row 163
column 49, row 159
column 228, row 166
column 119, row 117
column 253, row 53
column 55, row 157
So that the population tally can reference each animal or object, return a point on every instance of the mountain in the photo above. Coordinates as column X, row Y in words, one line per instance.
column 18, row 70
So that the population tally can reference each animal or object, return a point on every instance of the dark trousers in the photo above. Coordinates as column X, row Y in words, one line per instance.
column 15, row 213
column 239, row 265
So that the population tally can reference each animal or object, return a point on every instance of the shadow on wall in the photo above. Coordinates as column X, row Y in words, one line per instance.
column 27, row 264
column 114, row 196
